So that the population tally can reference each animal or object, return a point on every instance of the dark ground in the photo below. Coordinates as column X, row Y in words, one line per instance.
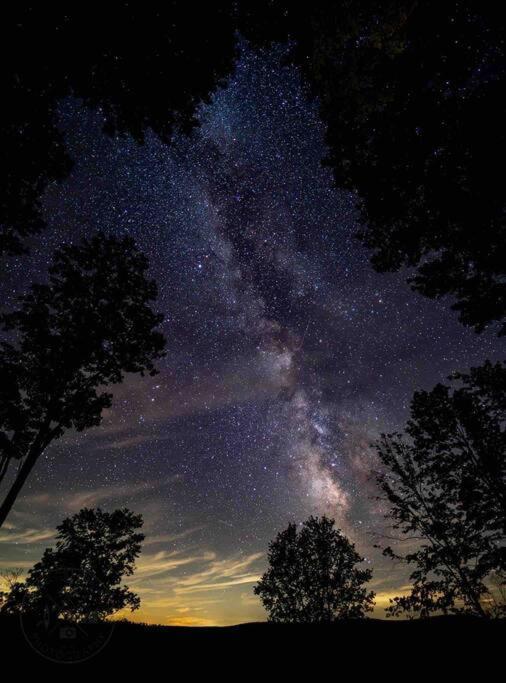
column 393, row 649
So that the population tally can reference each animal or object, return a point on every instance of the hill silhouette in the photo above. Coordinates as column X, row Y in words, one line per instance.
column 367, row 643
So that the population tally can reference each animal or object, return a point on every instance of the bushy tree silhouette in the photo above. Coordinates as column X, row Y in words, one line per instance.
column 81, row 579
column 411, row 94
column 83, row 330
column 142, row 67
column 313, row 577
column 445, row 484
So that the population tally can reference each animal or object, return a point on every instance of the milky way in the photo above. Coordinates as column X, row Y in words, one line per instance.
column 287, row 355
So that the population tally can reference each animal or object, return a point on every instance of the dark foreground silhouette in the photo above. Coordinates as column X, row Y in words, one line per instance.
column 454, row 642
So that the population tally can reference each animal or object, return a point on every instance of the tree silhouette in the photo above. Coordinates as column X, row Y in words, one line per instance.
column 312, row 575
column 83, row 330
column 81, row 579
column 142, row 67
column 415, row 124
column 445, row 483
column 411, row 94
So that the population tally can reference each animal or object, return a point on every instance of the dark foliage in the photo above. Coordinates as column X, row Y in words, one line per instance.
column 80, row 579
column 446, row 486
column 312, row 576
column 84, row 330
column 412, row 94
column 142, row 67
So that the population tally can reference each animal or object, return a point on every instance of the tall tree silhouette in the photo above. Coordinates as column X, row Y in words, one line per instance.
column 446, row 485
column 81, row 578
column 83, row 330
column 142, row 67
column 312, row 575
column 412, row 97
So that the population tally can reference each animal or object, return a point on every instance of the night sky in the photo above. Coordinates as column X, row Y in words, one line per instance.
column 287, row 354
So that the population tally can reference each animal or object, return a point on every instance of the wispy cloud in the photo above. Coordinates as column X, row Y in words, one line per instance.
column 26, row 535
column 237, row 581
column 76, row 500
column 157, row 404
column 16, row 564
column 232, row 570
column 163, row 562
column 180, row 588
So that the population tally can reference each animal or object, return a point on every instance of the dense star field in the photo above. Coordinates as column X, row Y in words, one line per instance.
column 287, row 354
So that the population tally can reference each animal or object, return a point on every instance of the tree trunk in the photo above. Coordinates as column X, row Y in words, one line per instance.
column 17, row 485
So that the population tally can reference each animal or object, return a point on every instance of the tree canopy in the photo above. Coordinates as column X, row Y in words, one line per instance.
column 445, row 484
column 140, row 67
column 313, row 577
column 81, row 578
column 69, row 338
column 411, row 94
